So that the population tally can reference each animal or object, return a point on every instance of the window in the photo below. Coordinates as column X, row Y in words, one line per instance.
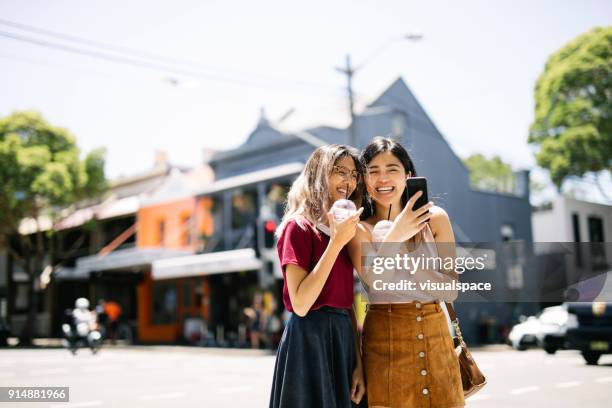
column 276, row 197
column 164, row 303
column 213, row 240
column 507, row 232
column 3, row 270
column 187, row 295
column 576, row 229
column 187, row 228
column 161, row 232
column 576, row 226
column 244, row 209
column 3, row 308
column 596, row 233
column 21, row 297
column 398, row 126
column 597, row 245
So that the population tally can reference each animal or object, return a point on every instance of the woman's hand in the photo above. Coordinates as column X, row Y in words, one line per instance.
column 358, row 387
column 342, row 232
column 409, row 222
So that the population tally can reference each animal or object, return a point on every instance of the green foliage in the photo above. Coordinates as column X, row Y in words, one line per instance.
column 573, row 108
column 490, row 174
column 40, row 168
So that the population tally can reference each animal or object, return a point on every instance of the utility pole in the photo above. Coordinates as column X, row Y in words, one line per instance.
column 348, row 70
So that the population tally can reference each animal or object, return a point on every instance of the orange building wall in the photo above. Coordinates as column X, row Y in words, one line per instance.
column 174, row 216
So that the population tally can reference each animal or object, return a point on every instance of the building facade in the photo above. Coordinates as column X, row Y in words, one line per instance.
column 477, row 216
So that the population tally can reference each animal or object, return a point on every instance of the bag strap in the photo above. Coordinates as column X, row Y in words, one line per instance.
column 451, row 311
column 454, row 321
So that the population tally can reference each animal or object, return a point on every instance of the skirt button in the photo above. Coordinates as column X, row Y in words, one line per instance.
column 420, row 336
column 421, row 354
column 425, row 391
column 419, row 318
column 423, row 372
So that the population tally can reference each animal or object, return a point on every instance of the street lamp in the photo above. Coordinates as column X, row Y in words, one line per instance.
column 350, row 71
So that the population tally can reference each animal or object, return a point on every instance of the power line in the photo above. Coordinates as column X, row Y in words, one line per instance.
column 131, row 52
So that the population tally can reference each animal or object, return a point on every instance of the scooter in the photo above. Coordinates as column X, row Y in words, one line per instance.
column 81, row 335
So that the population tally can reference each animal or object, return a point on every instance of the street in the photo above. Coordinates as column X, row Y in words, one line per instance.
column 198, row 377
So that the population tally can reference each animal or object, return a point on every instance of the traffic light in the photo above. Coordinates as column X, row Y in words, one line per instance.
column 269, row 230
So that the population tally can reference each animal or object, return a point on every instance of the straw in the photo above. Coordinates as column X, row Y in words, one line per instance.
column 389, row 215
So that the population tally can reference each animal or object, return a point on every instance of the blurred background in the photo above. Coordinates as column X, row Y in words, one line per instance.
column 146, row 150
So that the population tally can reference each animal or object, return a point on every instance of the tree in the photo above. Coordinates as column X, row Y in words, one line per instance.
column 573, row 108
column 490, row 174
column 41, row 172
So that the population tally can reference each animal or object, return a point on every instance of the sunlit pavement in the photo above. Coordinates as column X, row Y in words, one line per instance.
column 197, row 377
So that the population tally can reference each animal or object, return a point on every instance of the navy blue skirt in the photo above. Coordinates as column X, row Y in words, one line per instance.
column 315, row 362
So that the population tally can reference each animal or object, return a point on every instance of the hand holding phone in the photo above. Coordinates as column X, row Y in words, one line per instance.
column 415, row 215
column 413, row 185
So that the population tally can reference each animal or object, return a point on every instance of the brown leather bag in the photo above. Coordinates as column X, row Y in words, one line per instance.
column 472, row 378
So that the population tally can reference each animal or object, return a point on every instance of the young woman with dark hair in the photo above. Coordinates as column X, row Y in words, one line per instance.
column 408, row 354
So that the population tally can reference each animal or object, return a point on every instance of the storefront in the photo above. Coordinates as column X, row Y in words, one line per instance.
column 210, row 290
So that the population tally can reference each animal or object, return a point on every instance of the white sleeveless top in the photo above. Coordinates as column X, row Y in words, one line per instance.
column 403, row 296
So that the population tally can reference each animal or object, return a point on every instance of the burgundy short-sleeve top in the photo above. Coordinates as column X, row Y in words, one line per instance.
column 304, row 247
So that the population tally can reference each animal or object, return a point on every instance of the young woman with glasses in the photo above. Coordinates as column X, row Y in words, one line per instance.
column 318, row 363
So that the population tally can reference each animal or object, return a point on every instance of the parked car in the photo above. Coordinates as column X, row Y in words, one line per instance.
column 554, row 323
column 524, row 334
column 593, row 334
column 547, row 329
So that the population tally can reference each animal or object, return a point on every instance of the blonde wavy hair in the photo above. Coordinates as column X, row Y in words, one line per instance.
column 309, row 195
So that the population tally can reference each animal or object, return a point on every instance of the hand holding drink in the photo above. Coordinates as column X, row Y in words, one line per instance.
column 343, row 208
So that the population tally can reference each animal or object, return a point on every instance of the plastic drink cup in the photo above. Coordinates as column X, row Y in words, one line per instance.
column 343, row 209
column 381, row 229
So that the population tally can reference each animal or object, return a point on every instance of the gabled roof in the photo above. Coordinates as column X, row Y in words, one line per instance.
column 266, row 137
column 398, row 96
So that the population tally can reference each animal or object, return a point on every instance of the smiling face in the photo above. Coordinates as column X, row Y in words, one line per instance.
column 344, row 175
column 386, row 179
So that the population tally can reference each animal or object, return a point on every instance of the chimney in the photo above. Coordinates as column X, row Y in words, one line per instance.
column 161, row 158
column 207, row 154
column 522, row 183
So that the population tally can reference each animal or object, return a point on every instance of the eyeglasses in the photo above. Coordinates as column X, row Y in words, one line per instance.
column 346, row 173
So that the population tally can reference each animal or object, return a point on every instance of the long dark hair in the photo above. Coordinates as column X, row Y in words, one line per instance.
column 377, row 146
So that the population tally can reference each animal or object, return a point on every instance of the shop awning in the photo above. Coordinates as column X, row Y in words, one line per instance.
column 272, row 173
column 206, row 264
column 125, row 259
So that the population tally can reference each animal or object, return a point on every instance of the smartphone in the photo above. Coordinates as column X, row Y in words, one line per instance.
column 413, row 185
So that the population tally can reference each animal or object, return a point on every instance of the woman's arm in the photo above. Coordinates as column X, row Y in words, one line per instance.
column 354, row 247
column 304, row 287
column 445, row 244
column 445, row 239
column 358, row 383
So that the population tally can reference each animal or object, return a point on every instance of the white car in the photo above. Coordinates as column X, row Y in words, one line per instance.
column 547, row 329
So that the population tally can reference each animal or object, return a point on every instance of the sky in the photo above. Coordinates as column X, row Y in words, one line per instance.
column 474, row 71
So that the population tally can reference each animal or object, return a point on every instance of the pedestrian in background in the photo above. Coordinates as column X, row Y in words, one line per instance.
column 256, row 316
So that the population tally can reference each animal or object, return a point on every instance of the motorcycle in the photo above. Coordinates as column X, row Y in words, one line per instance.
column 80, row 334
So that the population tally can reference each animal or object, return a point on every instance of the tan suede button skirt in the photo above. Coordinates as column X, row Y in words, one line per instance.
column 409, row 358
